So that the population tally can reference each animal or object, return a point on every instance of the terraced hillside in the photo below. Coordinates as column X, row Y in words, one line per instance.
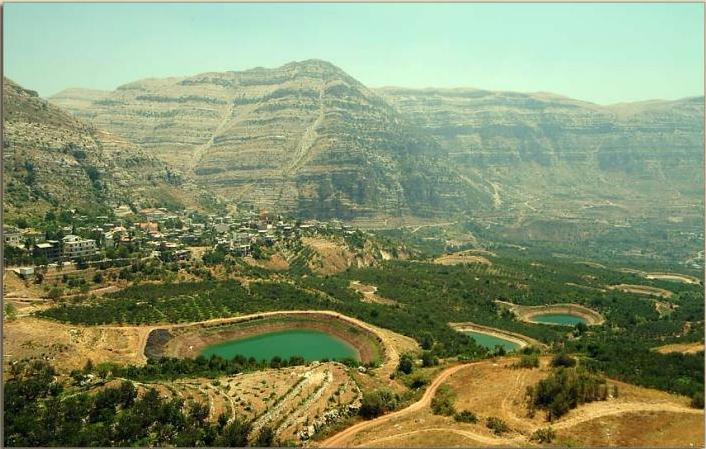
column 305, row 136
column 52, row 159
column 532, row 147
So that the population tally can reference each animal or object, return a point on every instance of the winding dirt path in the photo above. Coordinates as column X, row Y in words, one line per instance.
column 583, row 414
column 476, row 437
column 339, row 439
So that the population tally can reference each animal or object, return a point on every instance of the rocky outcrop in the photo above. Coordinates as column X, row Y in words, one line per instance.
column 53, row 160
column 305, row 137
column 308, row 138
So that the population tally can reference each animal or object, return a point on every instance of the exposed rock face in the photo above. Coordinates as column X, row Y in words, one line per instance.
column 54, row 160
column 308, row 138
column 543, row 143
column 305, row 137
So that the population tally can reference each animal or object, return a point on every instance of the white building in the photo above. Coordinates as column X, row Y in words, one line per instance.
column 75, row 247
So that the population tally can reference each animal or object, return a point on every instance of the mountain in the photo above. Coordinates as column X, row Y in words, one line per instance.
column 52, row 159
column 309, row 138
column 305, row 137
column 542, row 146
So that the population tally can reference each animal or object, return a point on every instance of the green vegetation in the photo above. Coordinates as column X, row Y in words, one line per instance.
column 378, row 402
column 497, row 425
column 543, row 435
column 169, row 368
column 466, row 416
column 565, row 389
column 527, row 361
column 429, row 296
column 563, row 360
column 443, row 401
column 40, row 411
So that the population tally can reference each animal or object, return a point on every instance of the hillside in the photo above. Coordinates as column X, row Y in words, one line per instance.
column 309, row 138
column 538, row 147
column 54, row 160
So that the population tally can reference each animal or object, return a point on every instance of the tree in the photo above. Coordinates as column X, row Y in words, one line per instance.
column 427, row 341
column 377, row 402
column 428, row 359
column 563, row 359
column 55, row 293
column 265, row 438
column 406, row 364
column 235, row 434
column 443, row 401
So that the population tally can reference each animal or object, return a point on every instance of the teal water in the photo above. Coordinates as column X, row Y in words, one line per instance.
column 310, row 344
column 490, row 341
column 562, row 319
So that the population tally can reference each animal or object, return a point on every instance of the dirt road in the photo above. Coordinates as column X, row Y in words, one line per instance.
column 339, row 439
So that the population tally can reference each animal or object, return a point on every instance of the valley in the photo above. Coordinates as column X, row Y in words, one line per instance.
column 286, row 256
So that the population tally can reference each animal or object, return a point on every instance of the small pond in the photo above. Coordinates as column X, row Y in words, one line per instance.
column 310, row 344
column 491, row 341
column 561, row 319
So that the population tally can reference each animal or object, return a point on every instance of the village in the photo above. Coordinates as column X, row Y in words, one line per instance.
column 152, row 233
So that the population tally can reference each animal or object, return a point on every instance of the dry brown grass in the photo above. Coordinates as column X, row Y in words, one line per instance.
column 637, row 417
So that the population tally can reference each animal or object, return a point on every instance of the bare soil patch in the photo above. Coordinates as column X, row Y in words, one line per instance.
column 462, row 258
column 644, row 290
column 684, row 348
column 369, row 293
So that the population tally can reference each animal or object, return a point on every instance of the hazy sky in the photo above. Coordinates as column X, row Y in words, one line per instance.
column 603, row 53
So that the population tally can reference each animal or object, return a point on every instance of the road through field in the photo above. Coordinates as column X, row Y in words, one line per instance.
column 339, row 439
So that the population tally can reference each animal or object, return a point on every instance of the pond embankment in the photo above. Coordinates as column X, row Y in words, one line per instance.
column 530, row 314
column 192, row 339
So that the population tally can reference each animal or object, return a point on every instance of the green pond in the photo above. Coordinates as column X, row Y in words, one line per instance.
column 310, row 344
column 562, row 319
column 490, row 341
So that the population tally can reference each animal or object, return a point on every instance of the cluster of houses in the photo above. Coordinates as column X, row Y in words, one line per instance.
column 165, row 235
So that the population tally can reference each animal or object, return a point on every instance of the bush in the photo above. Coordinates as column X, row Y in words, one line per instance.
column 406, row 364
column 466, row 416
column 443, row 401
column 496, row 425
column 527, row 361
column 564, row 360
column 697, row 400
column 428, row 359
column 565, row 389
column 545, row 435
column 378, row 402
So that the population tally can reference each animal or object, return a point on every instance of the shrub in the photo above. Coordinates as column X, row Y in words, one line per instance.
column 527, row 361
column 428, row 359
column 545, row 435
column 697, row 400
column 378, row 402
column 406, row 364
column 563, row 359
column 466, row 416
column 443, row 401
column 496, row 425
column 565, row 389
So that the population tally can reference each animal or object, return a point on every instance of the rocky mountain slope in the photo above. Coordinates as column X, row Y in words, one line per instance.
column 52, row 159
column 552, row 145
column 309, row 138
column 305, row 137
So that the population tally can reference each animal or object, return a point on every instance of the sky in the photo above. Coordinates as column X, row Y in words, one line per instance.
column 604, row 53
